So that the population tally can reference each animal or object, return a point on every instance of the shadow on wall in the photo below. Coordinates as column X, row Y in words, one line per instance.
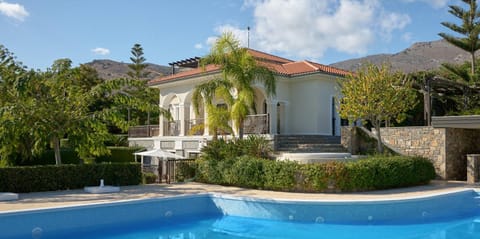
column 359, row 140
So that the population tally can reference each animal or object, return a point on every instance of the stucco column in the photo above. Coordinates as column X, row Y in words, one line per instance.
column 160, row 124
column 205, row 119
column 473, row 167
column 161, row 117
column 184, row 113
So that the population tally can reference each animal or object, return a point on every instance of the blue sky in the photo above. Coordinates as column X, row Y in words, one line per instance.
column 326, row 31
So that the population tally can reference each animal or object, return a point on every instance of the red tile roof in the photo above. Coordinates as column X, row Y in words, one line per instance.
column 267, row 57
column 277, row 64
column 186, row 74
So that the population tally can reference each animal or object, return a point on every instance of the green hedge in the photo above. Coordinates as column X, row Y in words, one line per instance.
column 387, row 172
column 51, row 178
column 362, row 175
column 69, row 156
column 119, row 155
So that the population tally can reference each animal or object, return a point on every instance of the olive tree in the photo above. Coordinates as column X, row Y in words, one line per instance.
column 377, row 95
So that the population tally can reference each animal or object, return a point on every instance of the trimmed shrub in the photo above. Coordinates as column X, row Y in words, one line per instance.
column 280, row 175
column 367, row 174
column 148, row 178
column 387, row 172
column 185, row 170
column 246, row 172
column 214, row 171
column 69, row 156
column 119, row 155
column 314, row 177
column 51, row 178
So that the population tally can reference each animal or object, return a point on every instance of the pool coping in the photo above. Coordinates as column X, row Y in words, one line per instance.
column 41, row 201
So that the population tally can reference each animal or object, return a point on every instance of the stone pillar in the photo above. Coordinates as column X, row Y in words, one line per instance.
column 349, row 139
column 473, row 168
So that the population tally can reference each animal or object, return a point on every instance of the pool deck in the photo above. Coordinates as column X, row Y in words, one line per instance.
column 79, row 197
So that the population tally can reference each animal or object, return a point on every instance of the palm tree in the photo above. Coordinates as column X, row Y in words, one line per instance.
column 240, row 69
column 204, row 95
column 470, row 28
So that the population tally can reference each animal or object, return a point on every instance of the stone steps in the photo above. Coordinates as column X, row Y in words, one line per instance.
column 308, row 144
column 317, row 139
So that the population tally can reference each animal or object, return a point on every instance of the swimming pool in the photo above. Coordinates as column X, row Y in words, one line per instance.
column 450, row 215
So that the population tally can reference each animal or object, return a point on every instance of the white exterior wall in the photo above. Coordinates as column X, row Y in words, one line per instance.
column 309, row 107
column 306, row 102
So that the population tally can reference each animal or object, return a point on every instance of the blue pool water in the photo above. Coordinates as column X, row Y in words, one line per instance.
column 453, row 215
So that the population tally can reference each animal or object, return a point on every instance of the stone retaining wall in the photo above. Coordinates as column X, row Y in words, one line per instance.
column 445, row 147
column 459, row 143
column 426, row 142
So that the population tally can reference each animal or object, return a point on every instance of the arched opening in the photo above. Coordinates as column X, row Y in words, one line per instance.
column 194, row 121
column 171, row 127
column 257, row 122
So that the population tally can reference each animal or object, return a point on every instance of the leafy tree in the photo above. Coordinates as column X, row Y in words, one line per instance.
column 470, row 29
column 38, row 109
column 375, row 94
column 13, row 80
column 241, row 71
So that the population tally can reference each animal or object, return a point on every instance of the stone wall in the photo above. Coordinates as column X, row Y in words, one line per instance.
column 427, row 142
column 447, row 148
column 459, row 143
column 360, row 141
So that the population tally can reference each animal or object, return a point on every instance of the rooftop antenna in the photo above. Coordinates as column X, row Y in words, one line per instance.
column 248, row 37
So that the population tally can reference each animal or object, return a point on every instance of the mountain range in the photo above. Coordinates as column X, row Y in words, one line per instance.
column 418, row 57
column 109, row 69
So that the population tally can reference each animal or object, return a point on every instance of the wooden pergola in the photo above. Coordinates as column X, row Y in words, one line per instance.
column 440, row 86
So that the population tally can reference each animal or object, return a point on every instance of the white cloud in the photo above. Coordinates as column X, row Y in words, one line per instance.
column 198, row 46
column 308, row 28
column 101, row 51
column 434, row 3
column 240, row 34
column 393, row 21
column 13, row 10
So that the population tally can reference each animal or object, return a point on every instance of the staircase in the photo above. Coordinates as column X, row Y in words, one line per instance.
column 308, row 144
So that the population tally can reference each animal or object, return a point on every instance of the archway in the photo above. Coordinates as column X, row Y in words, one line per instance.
column 172, row 104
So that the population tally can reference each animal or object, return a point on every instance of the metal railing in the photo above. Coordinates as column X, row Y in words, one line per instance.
column 256, row 124
column 143, row 131
column 172, row 170
column 171, row 128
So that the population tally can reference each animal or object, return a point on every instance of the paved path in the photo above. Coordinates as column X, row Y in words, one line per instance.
column 76, row 197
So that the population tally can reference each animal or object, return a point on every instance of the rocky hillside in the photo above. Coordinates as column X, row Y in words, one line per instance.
column 108, row 69
column 420, row 56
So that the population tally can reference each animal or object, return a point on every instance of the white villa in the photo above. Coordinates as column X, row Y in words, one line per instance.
column 304, row 104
